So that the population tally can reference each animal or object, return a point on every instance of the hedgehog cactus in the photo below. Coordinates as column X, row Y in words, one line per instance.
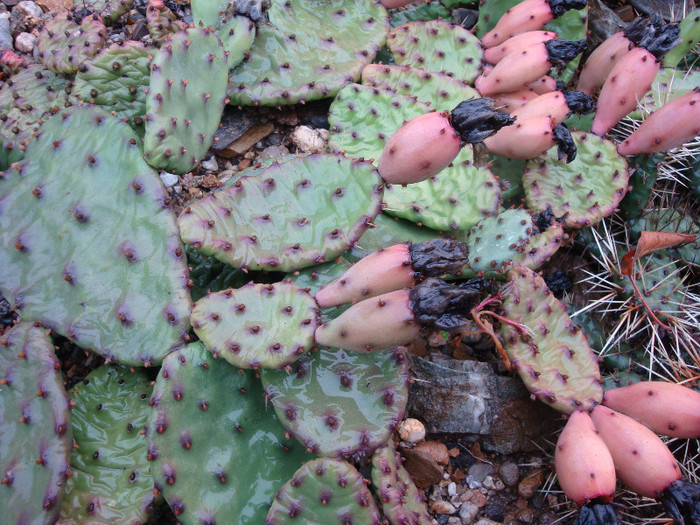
column 35, row 441
column 183, row 112
column 66, row 43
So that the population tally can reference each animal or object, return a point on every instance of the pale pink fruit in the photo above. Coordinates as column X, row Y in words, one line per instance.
column 391, row 4
column 548, row 105
column 529, row 15
column 525, row 139
column 515, row 70
column 493, row 55
column 601, row 62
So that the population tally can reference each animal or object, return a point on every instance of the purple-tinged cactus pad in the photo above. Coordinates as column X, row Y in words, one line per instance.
column 585, row 190
column 35, row 433
column 553, row 359
column 401, row 501
column 218, row 452
column 292, row 215
column 338, row 403
column 66, row 42
column 112, row 481
column 258, row 325
column 327, row 491
column 89, row 247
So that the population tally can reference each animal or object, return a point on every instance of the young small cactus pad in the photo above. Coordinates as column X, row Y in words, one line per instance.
column 258, row 325
column 327, row 491
column 292, row 215
column 585, row 190
column 437, row 46
column 401, row 501
column 210, row 418
column 111, row 481
column 66, row 42
column 125, row 297
column 338, row 403
column 35, row 440
column 183, row 112
column 553, row 358
column 310, row 50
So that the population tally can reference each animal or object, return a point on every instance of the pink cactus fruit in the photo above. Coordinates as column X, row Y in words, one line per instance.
column 668, row 409
column 529, row 15
column 557, row 104
column 420, row 149
column 380, row 272
column 669, row 127
column 494, row 54
column 391, row 4
column 601, row 62
column 642, row 461
column 583, row 463
column 531, row 137
column 509, row 102
column 381, row 322
column 542, row 85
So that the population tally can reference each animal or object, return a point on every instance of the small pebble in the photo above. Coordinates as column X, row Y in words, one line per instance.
column 528, row 486
column 169, row 179
column 467, row 512
column 479, row 471
column 273, row 152
column 310, row 140
column 411, row 430
column 454, row 520
column 210, row 165
column 442, row 507
column 509, row 473
column 25, row 42
column 5, row 33
column 452, row 489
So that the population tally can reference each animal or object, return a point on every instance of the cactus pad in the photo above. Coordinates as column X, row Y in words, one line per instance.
column 387, row 231
column 495, row 241
column 185, row 101
column 162, row 22
column 112, row 481
column 291, row 215
column 325, row 491
column 66, row 42
column 212, row 419
column 437, row 46
column 585, row 190
column 258, row 325
column 117, row 78
column 338, row 403
column 35, row 435
column 310, row 50
column 401, row 501
column 102, row 263
column 554, row 359
column 689, row 38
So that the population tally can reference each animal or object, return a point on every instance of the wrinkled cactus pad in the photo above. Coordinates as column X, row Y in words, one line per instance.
column 210, row 418
column 401, row 501
column 327, row 491
column 112, row 481
column 35, row 434
column 553, row 358
column 289, row 216
column 585, row 190
column 309, row 50
column 66, row 42
column 258, row 325
column 495, row 241
column 338, row 403
column 101, row 264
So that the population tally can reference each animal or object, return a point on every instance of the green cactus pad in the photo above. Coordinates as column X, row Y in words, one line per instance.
column 117, row 78
column 495, row 241
column 292, row 215
column 541, row 247
column 112, row 481
column 644, row 169
column 510, row 177
column 310, row 50
column 258, row 325
column 35, row 435
column 553, row 359
column 338, row 403
column 65, row 43
column 689, row 37
column 439, row 90
column 209, row 275
column 401, row 501
column 585, row 190
column 211, row 419
column 437, row 46
column 415, row 13
column 110, row 10
column 186, row 98
column 89, row 248
column 325, row 491
column 162, row 22
column 237, row 33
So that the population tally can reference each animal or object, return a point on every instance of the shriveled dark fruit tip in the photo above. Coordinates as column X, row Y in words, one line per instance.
column 595, row 513
column 438, row 257
column 566, row 148
column 559, row 7
column 660, row 40
column 446, row 306
column 476, row 120
column 681, row 501
column 578, row 102
column 638, row 28
column 561, row 52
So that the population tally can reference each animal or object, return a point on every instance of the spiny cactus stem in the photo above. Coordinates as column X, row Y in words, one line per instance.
column 640, row 296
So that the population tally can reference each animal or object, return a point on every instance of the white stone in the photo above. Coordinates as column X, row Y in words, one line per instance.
column 310, row 140
column 210, row 165
column 412, row 430
column 468, row 512
column 169, row 179
column 25, row 42
column 442, row 507
column 27, row 8
column 452, row 488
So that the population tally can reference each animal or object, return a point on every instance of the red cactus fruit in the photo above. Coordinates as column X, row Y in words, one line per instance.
column 494, row 54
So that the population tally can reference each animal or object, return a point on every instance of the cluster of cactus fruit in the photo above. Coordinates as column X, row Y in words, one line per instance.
column 272, row 394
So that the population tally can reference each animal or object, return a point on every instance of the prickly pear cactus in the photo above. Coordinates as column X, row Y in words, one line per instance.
column 66, row 42
column 327, row 491
column 585, row 190
column 110, row 10
column 689, row 37
column 291, row 215
column 310, row 49
column 552, row 357
column 183, row 110
column 35, row 437
column 495, row 241
column 258, row 325
column 211, row 419
column 387, row 231
column 111, row 481
column 338, row 403
column 236, row 33
column 401, row 501
column 162, row 22
column 124, row 294
column 117, row 78
column 668, row 84
column 437, row 46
